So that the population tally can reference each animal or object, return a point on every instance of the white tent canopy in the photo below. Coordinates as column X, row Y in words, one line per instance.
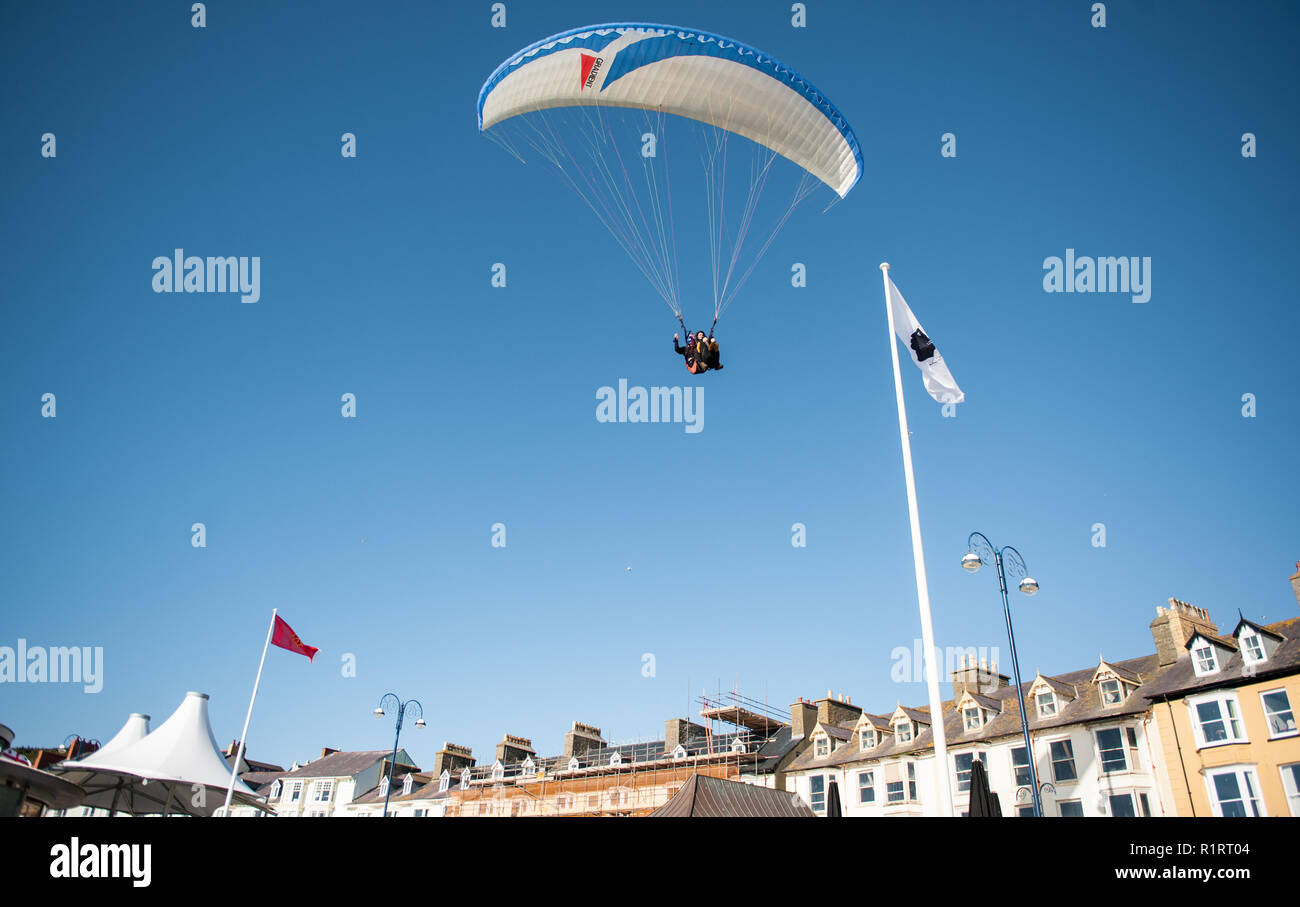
column 161, row 772
column 136, row 728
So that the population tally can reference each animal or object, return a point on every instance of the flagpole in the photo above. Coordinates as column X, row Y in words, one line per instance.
column 234, row 769
column 942, row 787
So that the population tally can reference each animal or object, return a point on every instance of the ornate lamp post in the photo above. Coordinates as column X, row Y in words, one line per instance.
column 980, row 551
column 1022, row 793
column 396, row 704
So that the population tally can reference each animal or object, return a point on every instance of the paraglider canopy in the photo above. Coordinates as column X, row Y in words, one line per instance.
column 693, row 74
column 596, row 103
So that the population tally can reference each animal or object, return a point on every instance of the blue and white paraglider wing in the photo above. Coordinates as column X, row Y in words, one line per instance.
column 692, row 74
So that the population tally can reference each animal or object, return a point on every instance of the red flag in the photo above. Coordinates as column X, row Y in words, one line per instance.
column 285, row 638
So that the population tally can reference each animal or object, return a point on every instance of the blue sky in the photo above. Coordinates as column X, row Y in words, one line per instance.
column 175, row 409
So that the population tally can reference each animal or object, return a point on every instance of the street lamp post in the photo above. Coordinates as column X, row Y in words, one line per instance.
column 1045, row 786
column 393, row 702
column 981, row 551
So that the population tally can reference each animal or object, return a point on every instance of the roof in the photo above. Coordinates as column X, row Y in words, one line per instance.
column 255, row 766
column 344, row 764
column 423, row 787
column 1085, row 707
column 1180, row 678
column 838, row 733
column 1060, row 686
column 705, row 797
column 258, row 780
column 1124, row 674
column 1227, row 642
column 776, row 748
column 987, row 702
column 1258, row 628
column 879, row 722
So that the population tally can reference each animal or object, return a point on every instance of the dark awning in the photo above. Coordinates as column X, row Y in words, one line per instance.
column 716, row 797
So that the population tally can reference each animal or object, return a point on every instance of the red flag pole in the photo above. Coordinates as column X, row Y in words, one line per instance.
column 234, row 769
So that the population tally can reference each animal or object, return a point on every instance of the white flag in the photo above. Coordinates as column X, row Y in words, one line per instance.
column 938, row 380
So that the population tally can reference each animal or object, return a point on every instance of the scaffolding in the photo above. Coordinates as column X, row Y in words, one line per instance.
column 631, row 778
column 758, row 721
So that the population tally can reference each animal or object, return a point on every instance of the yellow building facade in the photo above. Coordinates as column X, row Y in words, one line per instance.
column 1225, row 713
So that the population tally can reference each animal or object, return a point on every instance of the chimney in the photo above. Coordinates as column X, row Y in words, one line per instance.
column 680, row 730
column 836, row 711
column 325, row 751
column 452, row 759
column 1175, row 625
column 514, row 749
column 583, row 738
column 1295, row 582
column 803, row 717
column 979, row 678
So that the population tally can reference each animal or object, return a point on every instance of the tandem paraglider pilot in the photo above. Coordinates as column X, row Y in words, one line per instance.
column 701, row 353
column 578, row 100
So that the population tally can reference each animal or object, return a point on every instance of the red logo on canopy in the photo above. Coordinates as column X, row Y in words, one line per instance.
column 588, row 61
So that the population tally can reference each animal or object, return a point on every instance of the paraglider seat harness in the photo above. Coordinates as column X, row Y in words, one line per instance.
column 696, row 351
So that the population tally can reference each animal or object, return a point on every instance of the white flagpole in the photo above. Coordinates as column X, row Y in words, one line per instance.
column 942, row 787
column 234, row 769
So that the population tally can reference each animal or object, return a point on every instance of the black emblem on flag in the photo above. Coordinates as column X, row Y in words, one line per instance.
column 922, row 346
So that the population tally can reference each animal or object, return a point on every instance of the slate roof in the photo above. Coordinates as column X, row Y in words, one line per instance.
column 1227, row 642
column 705, row 797
column 1085, row 707
column 341, row 765
column 1258, row 628
column 1122, row 673
column 1180, row 679
column 838, row 733
column 879, row 722
column 1063, row 687
column 255, row 766
column 422, row 788
column 987, row 702
column 259, row 780
column 776, row 748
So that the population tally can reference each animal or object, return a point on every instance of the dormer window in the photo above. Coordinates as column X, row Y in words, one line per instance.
column 615, row 758
column 1047, row 704
column 498, row 771
column 529, row 767
column 383, row 786
column 903, row 732
column 1112, row 692
column 867, row 738
column 407, row 783
column 738, row 745
column 972, row 720
column 822, row 746
column 679, row 752
column 574, row 765
column 1204, row 659
column 1252, row 647
column 444, row 781
column 464, row 778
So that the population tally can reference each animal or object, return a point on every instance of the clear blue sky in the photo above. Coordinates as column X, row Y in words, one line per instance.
column 175, row 409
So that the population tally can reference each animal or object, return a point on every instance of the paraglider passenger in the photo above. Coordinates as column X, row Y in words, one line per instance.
column 687, row 351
